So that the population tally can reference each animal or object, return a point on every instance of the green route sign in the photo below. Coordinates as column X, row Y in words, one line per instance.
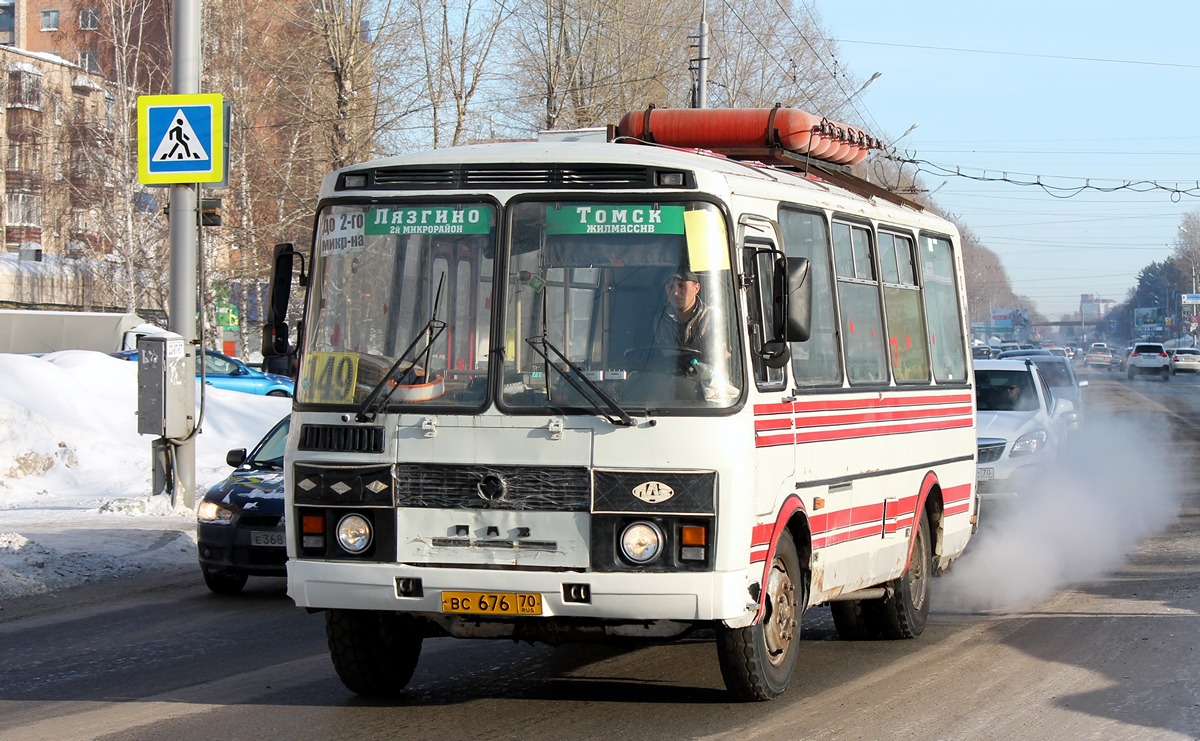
column 614, row 219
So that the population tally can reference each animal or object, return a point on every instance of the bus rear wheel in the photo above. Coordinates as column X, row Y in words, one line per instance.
column 901, row 614
column 906, row 609
column 374, row 653
column 757, row 662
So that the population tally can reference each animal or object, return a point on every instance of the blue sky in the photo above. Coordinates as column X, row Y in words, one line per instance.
column 1071, row 92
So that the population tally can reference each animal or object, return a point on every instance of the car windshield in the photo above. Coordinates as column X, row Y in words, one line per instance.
column 1148, row 349
column 270, row 452
column 1187, row 351
column 1056, row 373
column 1005, row 391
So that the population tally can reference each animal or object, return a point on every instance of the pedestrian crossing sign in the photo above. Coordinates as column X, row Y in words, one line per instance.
column 181, row 139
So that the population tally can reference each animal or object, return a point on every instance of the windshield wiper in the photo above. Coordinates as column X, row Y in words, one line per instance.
column 581, row 383
column 430, row 333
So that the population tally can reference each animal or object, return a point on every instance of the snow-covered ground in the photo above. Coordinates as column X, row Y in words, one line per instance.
column 75, row 503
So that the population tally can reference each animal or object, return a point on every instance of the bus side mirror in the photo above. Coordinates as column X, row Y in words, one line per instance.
column 798, row 306
column 275, row 339
column 279, row 292
column 791, row 294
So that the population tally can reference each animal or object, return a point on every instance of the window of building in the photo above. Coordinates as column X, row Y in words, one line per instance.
column 24, row 209
column 89, row 19
column 90, row 62
column 49, row 20
column 7, row 24
column 22, row 156
column 24, row 89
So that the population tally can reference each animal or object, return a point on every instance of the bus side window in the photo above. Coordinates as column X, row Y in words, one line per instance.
column 942, row 313
column 858, row 297
column 816, row 361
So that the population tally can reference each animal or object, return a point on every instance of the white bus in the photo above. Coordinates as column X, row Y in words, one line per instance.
column 566, row 391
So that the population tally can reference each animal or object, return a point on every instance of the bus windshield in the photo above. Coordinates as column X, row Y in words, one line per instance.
column 629, row 301
column 400, row 300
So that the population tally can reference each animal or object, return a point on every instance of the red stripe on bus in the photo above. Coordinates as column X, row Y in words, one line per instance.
column 773, row 424
column 879, row 430
column 829, row 405
column 957, row 509
column 959, row 493
column 873, row 531
column 772, row 409
column 767, row 441
column 882, row 415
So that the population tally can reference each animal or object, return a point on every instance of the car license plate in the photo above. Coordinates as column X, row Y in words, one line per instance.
column 271, row 540
column 492, row 603
column 985, row 474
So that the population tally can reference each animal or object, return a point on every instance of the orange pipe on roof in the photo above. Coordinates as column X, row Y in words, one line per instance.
column 723, row 129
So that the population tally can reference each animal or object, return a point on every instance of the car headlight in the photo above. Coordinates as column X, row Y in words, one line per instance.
column 354, row 533
column 213, row 512
column 1029, row 443
column 641, row 542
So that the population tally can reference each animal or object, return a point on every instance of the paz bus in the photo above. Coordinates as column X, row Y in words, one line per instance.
column 490, row 440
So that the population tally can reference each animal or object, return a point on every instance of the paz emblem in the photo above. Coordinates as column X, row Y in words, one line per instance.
column 653, row 492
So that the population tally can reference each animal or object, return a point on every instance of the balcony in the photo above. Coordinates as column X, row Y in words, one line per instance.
column 24, row 124
column 15, row 236
column 23, row 181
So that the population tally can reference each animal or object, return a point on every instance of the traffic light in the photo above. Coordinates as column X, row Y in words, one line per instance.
column 210, row 212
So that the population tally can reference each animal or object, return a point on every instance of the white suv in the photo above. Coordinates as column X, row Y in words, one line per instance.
column 1149, row 357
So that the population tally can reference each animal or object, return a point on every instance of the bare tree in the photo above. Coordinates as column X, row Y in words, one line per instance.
column 457, row 44
column 579, row 64
column 776, row 53
column 111, row 220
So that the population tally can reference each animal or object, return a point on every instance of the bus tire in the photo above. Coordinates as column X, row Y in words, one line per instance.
column 757, row 662
column 858, row 619
column 905, row 610
column 374, row 653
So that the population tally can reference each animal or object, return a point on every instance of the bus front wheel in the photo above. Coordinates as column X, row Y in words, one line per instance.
column 757, row 662
column 374, row 653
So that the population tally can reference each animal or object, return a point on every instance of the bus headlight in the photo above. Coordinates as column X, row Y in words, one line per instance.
column 641, row 542
column 354, row 533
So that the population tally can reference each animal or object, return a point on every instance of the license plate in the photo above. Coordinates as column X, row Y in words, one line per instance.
column 492, row 603
column 272, row 540
column 985, row 474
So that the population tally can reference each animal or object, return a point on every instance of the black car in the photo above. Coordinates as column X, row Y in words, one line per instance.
column 240, row 522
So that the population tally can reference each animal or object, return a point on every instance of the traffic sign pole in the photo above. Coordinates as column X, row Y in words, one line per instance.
column 185, row 38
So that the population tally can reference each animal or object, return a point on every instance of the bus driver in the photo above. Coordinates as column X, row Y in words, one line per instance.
column 685, row 322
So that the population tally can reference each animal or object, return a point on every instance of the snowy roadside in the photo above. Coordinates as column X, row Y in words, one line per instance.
column 74, row 474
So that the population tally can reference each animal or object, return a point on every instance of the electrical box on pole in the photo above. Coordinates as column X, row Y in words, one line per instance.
column 166, row 386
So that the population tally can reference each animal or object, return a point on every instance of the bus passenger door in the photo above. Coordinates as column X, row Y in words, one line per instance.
column 774, row 439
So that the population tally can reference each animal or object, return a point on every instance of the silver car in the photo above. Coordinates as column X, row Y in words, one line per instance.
column 1185, row 360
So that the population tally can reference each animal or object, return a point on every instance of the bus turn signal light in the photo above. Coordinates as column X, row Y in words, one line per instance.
column 693, row 535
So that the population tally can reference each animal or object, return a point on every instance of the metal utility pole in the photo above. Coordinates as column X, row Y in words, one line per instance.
column 185, row 39
column 700, row 92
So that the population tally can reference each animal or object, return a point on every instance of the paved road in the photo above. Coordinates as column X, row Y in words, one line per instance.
column 1073, row 615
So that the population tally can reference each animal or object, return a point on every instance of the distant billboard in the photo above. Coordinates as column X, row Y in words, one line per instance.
column 1002, row 318
column 1146, row 320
